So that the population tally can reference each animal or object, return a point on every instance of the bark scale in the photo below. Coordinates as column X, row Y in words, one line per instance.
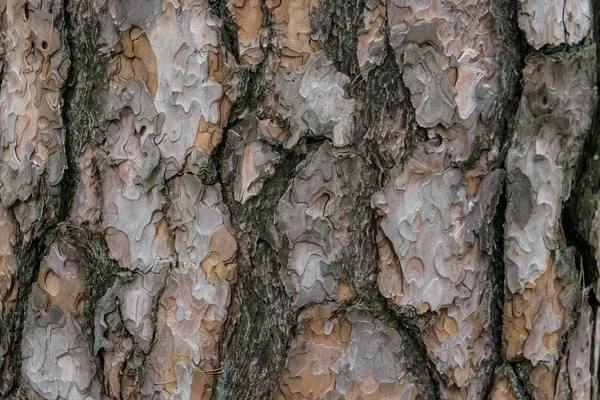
column 303, row 199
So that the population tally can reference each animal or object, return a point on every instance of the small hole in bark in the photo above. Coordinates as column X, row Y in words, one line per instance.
column 44, row 45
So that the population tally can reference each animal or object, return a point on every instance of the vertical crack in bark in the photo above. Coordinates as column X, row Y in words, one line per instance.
column 339, row 23
column 579, row 212
column 229, row 28
column 100, row 274
column 82, row 118
column 496, row 278
column 29, row 253
column 505, row 23
column 261, row 322
column 83, row 97
column 29, row 257
column 519, row 380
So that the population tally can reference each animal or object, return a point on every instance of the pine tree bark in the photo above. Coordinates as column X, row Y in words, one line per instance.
column 299, row 199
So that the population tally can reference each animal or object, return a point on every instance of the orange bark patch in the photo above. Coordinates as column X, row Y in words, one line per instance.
column 137, row 60
column 291, row 24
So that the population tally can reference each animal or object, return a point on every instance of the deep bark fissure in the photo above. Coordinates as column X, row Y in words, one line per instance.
column 28, row 258
column 519, row 379
column 338, row 22
column 497, row 279
column 242, row 334
column 81, row 116
column 71, row 172
column 255, row 341
column 229, row 28
column 250, row 312
column 101, row 273
column 504, row 18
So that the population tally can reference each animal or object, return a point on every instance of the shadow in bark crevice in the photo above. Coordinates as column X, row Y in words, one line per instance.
column 261, row 321
column 29, row 255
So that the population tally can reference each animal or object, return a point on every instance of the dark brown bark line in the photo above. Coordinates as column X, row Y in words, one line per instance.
column 380, row 96
column 511, row 55
column 81, row 99
column 229, row 29
column 84, row 122
column 84, row 95
column 570, row 250
column 261, row 322
column 101, row 273
column 578, row 213
column 336, row 25
column 11, row 324
column 31, row 244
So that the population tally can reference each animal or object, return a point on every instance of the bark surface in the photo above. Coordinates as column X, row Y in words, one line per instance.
column 299, row 199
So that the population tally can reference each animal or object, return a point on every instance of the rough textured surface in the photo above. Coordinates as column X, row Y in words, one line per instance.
column 540, row 164
column 580, row 349
column 312, row 101
column 303, row 199
column 351, row 356
column 8, row 262
column 550, row 299
column 313, row 215
column 291, row 31
column 32, row 131
column 57, row 362
column 555, row 22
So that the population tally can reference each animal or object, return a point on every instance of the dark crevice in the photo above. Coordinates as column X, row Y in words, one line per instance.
column 514, row 372
column 259, row 337
column 496, row 278
column 261, row 315
column 337, row 23
column 261, row 322
column 28, row 255
column 100, row 274
column 84, row 94
column 229, row 28
column 379, row 98
column 381, row 95
column 511, row 54
column 412, row 331
column 81, row 114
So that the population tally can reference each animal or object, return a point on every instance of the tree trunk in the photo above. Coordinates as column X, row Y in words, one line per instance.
column 299, row 199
